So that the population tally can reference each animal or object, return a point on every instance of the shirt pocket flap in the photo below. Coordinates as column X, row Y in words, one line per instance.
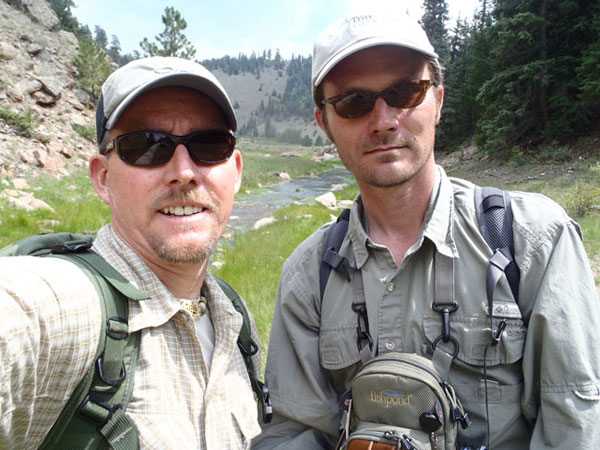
column 473, row 335
column 338, row 346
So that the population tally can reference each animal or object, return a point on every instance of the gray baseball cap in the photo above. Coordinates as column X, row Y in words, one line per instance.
column 358, row 31
column 139, row 76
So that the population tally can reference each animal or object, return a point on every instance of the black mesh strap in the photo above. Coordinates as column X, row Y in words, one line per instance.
column 495, row 221
column 333, row 241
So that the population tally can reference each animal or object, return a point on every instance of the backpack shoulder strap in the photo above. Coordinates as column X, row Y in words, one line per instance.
column 95, row 413
column 248, row 348
column 494, row 214
column 330, row 258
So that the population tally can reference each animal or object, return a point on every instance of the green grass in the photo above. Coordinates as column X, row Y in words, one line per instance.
column 253, row 263
column 78, row 209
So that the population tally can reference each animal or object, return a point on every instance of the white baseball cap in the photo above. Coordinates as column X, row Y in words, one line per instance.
column 139, row 76
column 360, row 30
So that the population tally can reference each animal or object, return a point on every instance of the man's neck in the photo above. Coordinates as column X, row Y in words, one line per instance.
column 182, row 280
column 395, row 215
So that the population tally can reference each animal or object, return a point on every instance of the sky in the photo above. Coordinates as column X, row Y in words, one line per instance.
column 229, row 27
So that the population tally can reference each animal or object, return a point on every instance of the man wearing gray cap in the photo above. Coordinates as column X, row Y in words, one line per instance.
column 168, row 168
column 527, row 371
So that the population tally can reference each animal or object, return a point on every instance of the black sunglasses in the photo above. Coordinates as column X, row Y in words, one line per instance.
column 357, row 103
column 152, row 148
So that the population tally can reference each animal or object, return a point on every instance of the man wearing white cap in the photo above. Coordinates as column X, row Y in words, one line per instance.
column 528, row 374
column 168, row 168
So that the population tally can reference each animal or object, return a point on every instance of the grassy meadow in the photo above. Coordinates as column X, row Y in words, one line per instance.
column 253, row 260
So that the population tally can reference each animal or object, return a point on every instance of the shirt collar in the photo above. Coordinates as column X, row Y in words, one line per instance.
column 437, row 226
column 161, row 304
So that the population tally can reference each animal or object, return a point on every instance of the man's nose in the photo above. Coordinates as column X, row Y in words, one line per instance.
column 181, row 168
column 384, row 117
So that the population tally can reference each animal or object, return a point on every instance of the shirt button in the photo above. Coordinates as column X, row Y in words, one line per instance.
column 390, row 286
column 390, row 344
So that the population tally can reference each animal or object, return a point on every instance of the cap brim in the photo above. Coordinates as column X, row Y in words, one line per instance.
column 185, row 80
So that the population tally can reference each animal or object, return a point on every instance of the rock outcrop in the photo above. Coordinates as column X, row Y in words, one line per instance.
column 37, row 81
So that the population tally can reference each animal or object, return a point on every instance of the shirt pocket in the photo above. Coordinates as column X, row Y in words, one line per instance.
column 473, row 335
column 242, row 403
column 338, row 346
column 504, row 373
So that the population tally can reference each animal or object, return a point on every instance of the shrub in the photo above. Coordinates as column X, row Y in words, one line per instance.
column 24, row 123
column 88, row 132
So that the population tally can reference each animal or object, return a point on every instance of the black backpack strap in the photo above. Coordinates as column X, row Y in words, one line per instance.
column 495, row 218
column 333, row 241
column 94, row 416
column 248, row 348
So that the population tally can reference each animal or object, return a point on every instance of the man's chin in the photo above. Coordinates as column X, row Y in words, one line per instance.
column 182, row 251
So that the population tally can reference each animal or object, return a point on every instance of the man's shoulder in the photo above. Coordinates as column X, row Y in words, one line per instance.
column 531, row 210
column 31, row 277
column 308, row 252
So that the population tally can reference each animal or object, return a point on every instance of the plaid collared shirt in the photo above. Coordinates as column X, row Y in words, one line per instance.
column 49, row 331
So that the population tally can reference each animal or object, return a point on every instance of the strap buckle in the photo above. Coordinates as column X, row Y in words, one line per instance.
column 267, row 407
column 95, row 415
column 115, row 382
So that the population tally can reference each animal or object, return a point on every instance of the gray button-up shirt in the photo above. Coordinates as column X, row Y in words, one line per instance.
column 543, row 377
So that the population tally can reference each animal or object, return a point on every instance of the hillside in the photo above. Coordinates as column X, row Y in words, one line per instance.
column 40, row 105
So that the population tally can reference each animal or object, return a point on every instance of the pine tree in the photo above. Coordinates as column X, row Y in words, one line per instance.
column 62, row 8
column 434, row 22
column 114, row 51
column 100, row 37
column 92, row 67
column 536, row 48
column 172, row 41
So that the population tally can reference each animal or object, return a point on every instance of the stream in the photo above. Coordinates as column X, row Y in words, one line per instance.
column 254, row 207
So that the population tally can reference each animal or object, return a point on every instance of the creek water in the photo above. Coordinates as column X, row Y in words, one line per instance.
column 254, row 207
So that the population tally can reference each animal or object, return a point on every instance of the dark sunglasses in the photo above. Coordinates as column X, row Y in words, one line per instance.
column 357, row 103
column 152, row 148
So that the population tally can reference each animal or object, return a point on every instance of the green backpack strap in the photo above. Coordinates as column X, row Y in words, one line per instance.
column 248, row 348
column 94, row 416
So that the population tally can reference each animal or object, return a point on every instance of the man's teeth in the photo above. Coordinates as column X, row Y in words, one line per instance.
column 181, row 210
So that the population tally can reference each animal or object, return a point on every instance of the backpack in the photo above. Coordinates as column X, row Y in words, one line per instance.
column 402, row 400
column 390, row 372
column 495, row 218
column 94, row 416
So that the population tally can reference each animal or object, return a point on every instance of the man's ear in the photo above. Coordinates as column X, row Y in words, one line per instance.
column 239, row 167
column 98, row 170
column 439, row 103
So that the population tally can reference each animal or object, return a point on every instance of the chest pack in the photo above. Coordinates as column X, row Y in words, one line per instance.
column 94, row 417
column 404, row 401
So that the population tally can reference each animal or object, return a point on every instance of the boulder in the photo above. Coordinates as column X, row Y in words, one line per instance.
column 263, row 222
column 327, row 200
column 8, row 51
column 34, row 49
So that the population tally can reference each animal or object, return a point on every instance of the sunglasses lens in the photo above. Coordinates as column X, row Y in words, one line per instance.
column 152, row 148
column 145, row 148
column 404, row 95
column 210, row 147
column 355, row 104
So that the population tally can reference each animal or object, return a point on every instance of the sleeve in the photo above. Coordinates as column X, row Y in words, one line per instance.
column 561, row 362
column 48, row 337
column 305, row 409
